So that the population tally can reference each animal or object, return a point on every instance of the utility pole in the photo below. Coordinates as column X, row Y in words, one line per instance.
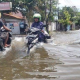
column 50, row 6
column 47, row 20
column 24, row 1
column 45, row 9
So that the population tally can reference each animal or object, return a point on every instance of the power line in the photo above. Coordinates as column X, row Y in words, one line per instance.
column 68, row 2
column 75, row 5
column 71, row 4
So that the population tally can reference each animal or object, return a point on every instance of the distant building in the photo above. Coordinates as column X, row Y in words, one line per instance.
column 5, row 6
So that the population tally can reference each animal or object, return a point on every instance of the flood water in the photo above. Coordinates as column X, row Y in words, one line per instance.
column 57, row 60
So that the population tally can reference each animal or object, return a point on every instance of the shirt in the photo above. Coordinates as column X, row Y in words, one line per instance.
column 38, row 25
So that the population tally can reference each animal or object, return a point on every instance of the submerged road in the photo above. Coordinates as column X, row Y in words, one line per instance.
column 57, row 60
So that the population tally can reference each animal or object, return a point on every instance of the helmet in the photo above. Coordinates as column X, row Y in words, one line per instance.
column 37, row 15
column 0, row 14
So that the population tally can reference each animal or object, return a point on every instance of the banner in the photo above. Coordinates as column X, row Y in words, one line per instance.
column 5, row 6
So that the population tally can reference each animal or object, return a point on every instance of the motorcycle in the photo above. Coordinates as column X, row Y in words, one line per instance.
column 2, row 40
column 32, row 38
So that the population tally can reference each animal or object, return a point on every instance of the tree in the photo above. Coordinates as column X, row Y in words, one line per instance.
column 65, row 19
column 76, row 18
column 70, row 11
column 29, row 7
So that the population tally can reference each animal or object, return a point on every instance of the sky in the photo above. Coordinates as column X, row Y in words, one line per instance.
column 70, row 3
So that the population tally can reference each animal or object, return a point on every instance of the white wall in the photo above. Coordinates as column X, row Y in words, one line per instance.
column 52, row 27
column 73, row 26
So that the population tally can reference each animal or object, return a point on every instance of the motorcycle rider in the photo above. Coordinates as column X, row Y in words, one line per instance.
column 7, row 35
column 38, row 24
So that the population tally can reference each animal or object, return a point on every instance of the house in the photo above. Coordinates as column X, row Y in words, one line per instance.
column 15, row 21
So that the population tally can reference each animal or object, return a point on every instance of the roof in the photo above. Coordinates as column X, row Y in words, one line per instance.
column 17, row 15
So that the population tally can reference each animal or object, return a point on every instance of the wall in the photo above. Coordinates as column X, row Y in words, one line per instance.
column 52, row 26
column 14, row 26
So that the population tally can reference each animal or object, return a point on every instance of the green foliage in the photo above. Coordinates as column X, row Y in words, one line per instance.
column 51, row 18
column 70, row 11
column 76, row 18
column 66, row 19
